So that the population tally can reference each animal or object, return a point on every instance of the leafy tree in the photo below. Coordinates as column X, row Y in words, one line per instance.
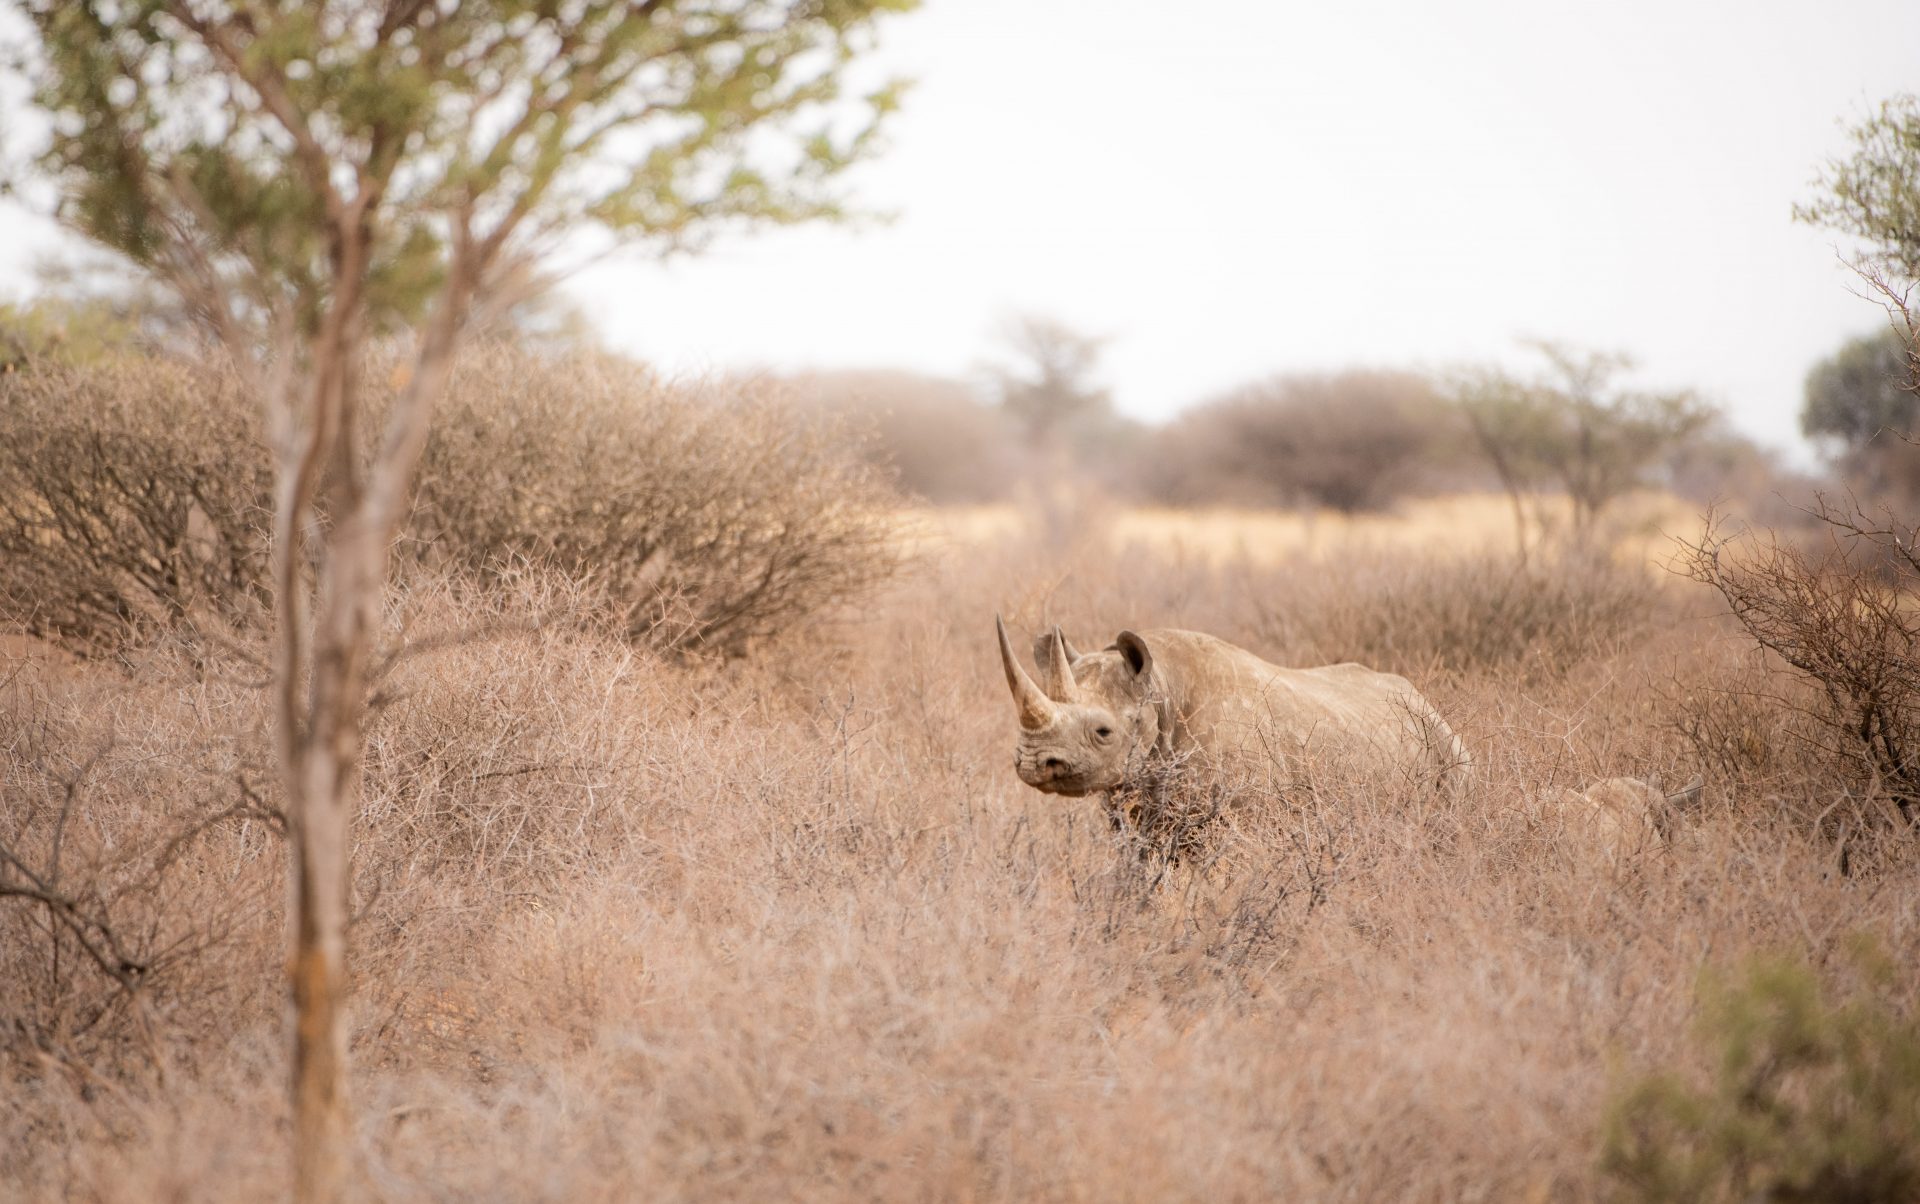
column 1841, row 619
column 308, row 175
column 1873, row 197
column 1573, row 427
column 1049, row 385
column 1859, row 392
column 1861, row 403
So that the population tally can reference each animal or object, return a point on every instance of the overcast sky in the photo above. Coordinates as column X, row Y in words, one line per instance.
column 1229, row 188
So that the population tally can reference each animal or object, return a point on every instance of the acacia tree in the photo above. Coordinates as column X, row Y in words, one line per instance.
column 307, row 175
column 1576, row 428
column 1872, row 196
column 1048, row 385
column 1843, row 619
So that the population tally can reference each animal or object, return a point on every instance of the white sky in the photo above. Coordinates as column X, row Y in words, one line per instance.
column 1229, row 188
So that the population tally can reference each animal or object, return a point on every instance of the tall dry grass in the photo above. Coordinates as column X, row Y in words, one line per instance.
column 791, row 928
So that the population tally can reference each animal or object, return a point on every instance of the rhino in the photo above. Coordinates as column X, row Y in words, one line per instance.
column 1110, row 721
column 1618, row 816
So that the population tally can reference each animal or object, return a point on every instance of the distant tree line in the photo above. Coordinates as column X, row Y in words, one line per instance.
column 1573, row 435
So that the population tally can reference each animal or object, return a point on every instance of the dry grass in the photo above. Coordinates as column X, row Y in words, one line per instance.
column 792, row 929
column 1472, row 523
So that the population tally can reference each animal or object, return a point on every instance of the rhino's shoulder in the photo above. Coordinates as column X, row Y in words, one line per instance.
column 1196, row 647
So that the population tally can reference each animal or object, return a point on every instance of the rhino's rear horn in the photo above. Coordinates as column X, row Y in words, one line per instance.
column 1036, row 709
column 1060, row 684
column 1041, row 641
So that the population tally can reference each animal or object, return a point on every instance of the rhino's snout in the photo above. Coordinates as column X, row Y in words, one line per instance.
column 1051, row 774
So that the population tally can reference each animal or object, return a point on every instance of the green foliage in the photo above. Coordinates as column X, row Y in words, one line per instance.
column 1874, row 194
column 245, row 151
column 1868, row 386
column 69, row 330
column 1814, row 1095
column 1860, row 391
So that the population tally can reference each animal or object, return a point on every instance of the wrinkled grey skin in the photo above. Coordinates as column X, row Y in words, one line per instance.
column 1100, row 721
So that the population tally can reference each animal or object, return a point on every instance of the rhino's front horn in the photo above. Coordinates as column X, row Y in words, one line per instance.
column 1060, row 684
column 1036, row 709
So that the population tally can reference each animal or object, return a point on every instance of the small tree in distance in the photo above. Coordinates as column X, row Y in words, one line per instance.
column 1864, row 396
column 1873, row 197
column 1860, row 405
column 1049, row 385
column 308, row 176
column 1350, row 441
column 1573, row 428
column 1841, row 617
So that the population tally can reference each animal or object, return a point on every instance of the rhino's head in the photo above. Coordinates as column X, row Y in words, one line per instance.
column 1080, row 734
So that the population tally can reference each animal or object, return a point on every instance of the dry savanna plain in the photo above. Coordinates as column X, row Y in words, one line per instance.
column 636, row 924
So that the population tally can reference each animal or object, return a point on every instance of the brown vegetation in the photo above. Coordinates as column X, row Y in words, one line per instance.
column 135, row 493
column 791, row 926
column 1353, row 441
column 1842, row 618
column 709, row 514
column 133, row 496
column 940, row 443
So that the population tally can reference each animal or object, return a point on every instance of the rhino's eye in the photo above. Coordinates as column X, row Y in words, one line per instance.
column 1104, row 732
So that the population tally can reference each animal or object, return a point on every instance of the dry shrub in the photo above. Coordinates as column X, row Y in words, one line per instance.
column 1848, row 631
column 1353, row 441
column 136, row 853
column 706, row 514
column 1747, row 721
column 133, row 495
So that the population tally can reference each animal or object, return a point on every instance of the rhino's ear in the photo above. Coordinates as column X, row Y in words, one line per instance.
column 1043, row 651
column 1136, row 653
column 1688, row 795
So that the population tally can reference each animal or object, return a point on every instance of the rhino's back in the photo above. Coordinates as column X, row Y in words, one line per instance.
column 1231, row 701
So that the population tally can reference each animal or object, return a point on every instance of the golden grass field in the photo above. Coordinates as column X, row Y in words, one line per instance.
column 1641, row 524
column 790, row 928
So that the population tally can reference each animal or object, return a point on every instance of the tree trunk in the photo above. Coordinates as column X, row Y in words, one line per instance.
column 1519, row 520
column 318, row 973
column 320, row 742
column 328, row 799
